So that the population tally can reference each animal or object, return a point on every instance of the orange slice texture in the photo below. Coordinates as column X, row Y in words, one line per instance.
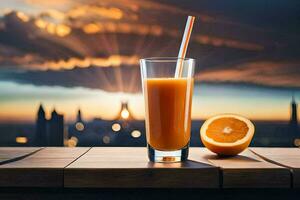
column 227, row 134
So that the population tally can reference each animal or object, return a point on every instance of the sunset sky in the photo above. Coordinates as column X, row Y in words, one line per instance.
column 71, row 54
column 20, row 102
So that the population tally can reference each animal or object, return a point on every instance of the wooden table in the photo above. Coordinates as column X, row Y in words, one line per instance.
column 70, row 169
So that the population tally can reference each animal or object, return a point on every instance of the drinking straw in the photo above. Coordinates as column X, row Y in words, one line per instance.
column 184, row 44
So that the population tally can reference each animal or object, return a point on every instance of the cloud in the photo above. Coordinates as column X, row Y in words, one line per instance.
column 53, row 3
column 260, row 72
column 283, row 74
column 39, row 44
column 75, row 29
column 111, row 61
column 97, row 44
column 111, row 79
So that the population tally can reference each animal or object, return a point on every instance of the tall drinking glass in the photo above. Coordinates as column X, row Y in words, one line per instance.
column 168, row 103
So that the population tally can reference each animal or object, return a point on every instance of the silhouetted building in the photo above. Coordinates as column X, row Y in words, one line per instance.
column 294, row 116
column 294, row 129
column 56, row 129
column 79, row 124
column 79, row 118
column 41, row 128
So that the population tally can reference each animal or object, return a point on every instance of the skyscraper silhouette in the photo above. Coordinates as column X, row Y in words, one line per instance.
column 56, row 129
column 294, row 130
column 41, row 128
column 294, row 115
column 79, row 118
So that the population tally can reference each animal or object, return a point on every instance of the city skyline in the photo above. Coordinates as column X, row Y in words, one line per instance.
column 125, row 130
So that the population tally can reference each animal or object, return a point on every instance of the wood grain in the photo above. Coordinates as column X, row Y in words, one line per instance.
column 14, row 153
column 104, row 167
column 288, row 157
column 41, row 169
column 247, row 170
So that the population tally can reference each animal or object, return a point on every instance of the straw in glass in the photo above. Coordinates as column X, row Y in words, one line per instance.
column 184, row 44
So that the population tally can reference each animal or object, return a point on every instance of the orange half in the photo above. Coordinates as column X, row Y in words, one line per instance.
column 227, row 134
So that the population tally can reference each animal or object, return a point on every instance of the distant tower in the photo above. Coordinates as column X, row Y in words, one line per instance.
column 294, row 130
column 294, row 116
column 125, row 113
column 79, row 118
column 79, row 125
column 41, row 128
column 56, row 129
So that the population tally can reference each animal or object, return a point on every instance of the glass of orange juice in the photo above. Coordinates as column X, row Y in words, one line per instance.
column 168, row 102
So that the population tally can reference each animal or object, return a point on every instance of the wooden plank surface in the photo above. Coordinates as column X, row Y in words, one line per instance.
column 41, row 169
column 246, row 170
column 8, row 154
column 288, row 157
column 119, row 167
column 104, row 167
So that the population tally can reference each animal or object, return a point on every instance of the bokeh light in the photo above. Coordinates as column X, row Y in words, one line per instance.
column 297, row 142
column 21, row 140
column 136, row 134
column 116, row 127
column 106, row 139
column 79, row 126
column 72, row 142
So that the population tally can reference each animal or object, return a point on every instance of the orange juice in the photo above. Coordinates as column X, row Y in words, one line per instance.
column 168, row 110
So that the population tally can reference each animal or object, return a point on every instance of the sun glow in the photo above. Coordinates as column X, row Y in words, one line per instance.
column 125, row 114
